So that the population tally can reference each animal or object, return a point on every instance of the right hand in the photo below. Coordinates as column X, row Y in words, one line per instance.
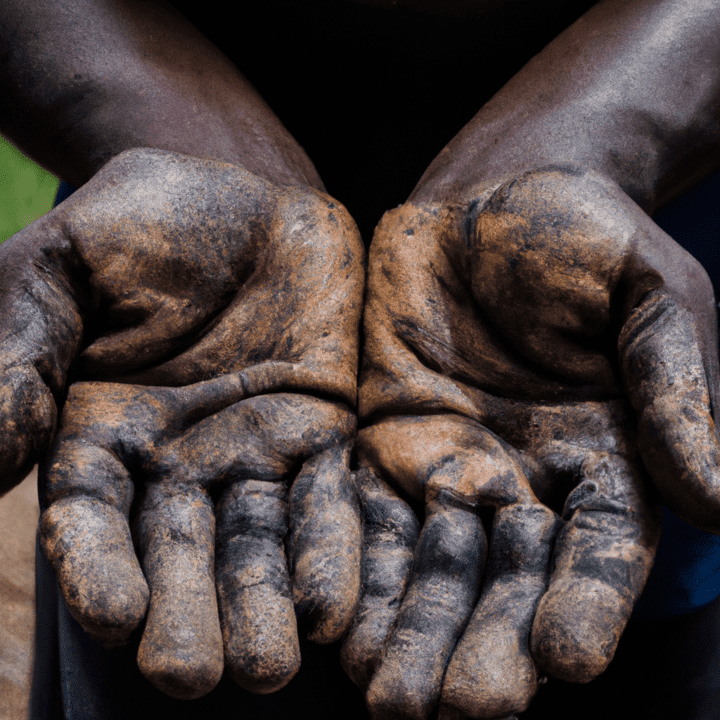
column 521, row 345
column 207, row 321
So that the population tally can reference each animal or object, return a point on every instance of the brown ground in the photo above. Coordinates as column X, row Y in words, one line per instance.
column 18, row 520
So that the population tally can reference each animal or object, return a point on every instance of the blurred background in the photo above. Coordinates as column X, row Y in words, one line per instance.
column 26, row 190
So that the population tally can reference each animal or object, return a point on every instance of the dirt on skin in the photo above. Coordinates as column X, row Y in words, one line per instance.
column 510, row 341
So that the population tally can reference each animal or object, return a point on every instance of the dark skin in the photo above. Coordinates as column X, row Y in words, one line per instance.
column 233, row 329
column 478, row 421
column 516, row 432
column 165, row 440
column 540, row 313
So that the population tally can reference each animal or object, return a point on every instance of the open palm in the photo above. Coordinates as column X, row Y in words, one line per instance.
column 206, row 322
column 531, row 357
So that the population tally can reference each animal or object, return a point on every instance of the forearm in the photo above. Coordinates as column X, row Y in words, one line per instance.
column 631, row 90
column 84, row 80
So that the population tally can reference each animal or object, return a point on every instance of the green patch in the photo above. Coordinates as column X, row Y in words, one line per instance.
column 26, row 190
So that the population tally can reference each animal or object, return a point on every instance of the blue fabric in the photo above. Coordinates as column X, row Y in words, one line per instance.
column 64, row 191
column 686, row 575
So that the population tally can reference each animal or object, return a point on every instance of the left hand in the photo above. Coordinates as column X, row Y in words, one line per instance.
column 537, row 350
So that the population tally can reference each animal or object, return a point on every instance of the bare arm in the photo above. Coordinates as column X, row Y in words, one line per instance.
column 631, row 90
column 527, row 325
column 164, row 272
column 82, row 81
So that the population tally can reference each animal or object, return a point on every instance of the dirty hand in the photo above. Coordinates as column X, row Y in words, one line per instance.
column 542, row 349
column 206, row 322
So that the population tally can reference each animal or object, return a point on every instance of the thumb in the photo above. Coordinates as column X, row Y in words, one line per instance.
column 40, row 333
column 666, row 378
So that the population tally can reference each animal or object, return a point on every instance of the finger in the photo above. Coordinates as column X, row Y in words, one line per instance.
column 461, row 467
column 40, row 333
column 84, row 533
column 443, row 589
column 325, row 545
column 492, row 673
column 257, row 615
column 390, row 533
column 181, row 651
column 667, row 382
column 602, row 559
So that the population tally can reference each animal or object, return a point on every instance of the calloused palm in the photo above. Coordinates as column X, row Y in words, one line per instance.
column 539, row 359
column 207, row 324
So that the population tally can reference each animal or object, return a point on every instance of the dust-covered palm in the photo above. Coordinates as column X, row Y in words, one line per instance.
column 206, row 323
column 541, row 349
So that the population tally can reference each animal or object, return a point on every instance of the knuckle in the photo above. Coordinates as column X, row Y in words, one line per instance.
column 313, row 207
column 27, row 422
column 80, row 470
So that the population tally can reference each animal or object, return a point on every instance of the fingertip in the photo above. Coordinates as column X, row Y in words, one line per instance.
column 179, row 676
column 270, row 674
column 470, row 700
column 470, row 704
column 326, row 588
column 500, row 689
column 262, row 651
column 577, row 628
column 389, row 697
column 324, row 614
column 362, row 649
column 112, row 623
column 491, row 673
column 265, row 680
column 100, row 577
column 181, row 651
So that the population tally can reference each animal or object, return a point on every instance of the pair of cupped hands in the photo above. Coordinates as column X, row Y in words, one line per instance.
column 180, row 343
